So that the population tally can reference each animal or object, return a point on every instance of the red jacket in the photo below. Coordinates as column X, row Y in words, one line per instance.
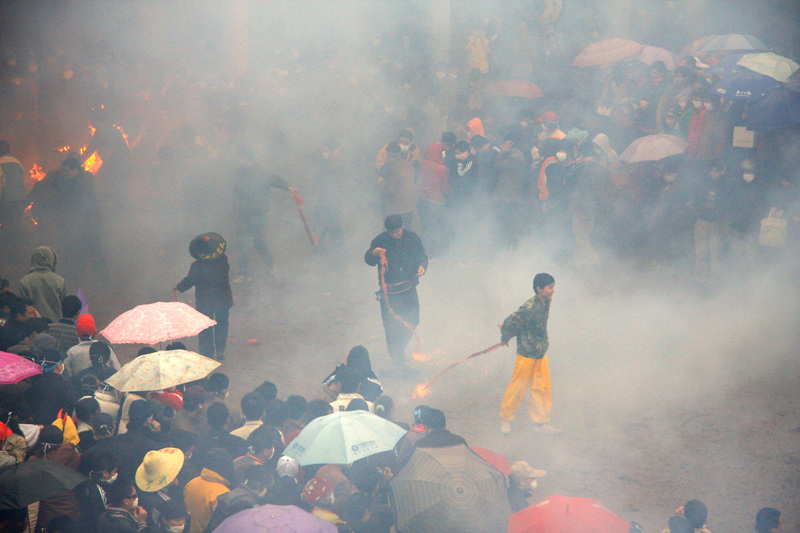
column 433, row 181
column 695, row 127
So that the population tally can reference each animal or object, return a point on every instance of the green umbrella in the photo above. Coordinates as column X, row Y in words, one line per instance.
column 343, row 438
column 450, row 490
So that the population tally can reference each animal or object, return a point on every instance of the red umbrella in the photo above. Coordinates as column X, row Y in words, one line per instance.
column 494, row 459
column 558, row 514
column 518, row 88
column 14, row 368
column 606, row 53
column 156, row 322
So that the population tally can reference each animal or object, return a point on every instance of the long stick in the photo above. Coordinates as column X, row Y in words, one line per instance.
column 299, row 201
column 382, row 281
column 424, row 389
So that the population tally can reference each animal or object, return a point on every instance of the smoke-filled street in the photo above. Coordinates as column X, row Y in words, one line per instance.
column 598, row 201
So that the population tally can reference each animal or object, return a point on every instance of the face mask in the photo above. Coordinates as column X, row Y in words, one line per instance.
column 697, row 104
column 670, row 177
column 561, row 156
column 176, row 529
column 534, row 484
column 709, row 106
column 135, row 504
column 110, row 480
column 404, row 148
column 748, row 177
column 462, row 156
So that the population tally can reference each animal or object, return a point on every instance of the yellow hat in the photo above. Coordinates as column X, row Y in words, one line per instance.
column 158, row 469
column 521, row 469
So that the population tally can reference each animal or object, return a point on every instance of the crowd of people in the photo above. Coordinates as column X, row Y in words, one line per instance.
column 544, row 170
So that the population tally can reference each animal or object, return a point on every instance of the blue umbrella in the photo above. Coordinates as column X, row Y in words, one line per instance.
column 726, row 67
column 780, row 108
column 745, row 85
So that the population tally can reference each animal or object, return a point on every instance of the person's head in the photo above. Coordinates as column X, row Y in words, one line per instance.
column 6, row 299
column 297, row 406
column 682, row 74
column 159, row 469
column 194, row 398
column 434, row 419
column 267, row 390
column 586, row 152
column 184, row 440
column 677, row 524
column 287, row 467
column 51, row 360
column 544, row 283
column 99, row 353
column 253, row 406
column 32, row 327
column 449, row 140
column 258, row 479
column 404, row 140
column 71, row 307
column 384, row 405
column 172, row 515
column 364, row 477
column 217, row 385
column 220, row 461
column 462, row 150
column 21, row 309
column 316, row 409
column 748, row 170
column 419, row 414
column 122, row 494
column 86, row 409
column 85, row 326
column 175, row 345
column 394, row 225
column 393, row 150
column 357, row 404
column 657, row 70
column 103, row 467
column 140, row 413
column 264, row 442
column 480, row 143
column 697, row 99
column 710, row 101
column 358, row 359
column 768, row 519
column 5, row 148
column 549, row 121
column 276, row 413
column 217, row 414
column 144, row 350
column 103, row 426
column 696, row 513
column 524, row 476
column 350, row 379
column 72, row 165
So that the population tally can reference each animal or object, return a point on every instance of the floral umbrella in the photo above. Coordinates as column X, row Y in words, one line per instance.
column 156, row 322
column 161, row 370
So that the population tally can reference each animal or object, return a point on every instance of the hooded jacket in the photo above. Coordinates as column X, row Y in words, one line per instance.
column 200, row 496
column 43, row 285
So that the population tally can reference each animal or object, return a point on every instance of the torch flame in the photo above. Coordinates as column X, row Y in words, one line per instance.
column 29, row 215
column 82, row 150
column 63, row 149
column 93, row 163
column 420, row 391
column 36, row 173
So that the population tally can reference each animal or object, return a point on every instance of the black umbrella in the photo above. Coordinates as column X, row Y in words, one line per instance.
column 35, row 480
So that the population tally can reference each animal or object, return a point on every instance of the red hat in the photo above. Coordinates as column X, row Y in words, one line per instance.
column 548, row 117
column 85, row 325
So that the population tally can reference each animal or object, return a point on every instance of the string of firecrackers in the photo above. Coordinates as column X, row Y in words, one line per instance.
column 424, row 388
column 382, row 280
column 299, row 202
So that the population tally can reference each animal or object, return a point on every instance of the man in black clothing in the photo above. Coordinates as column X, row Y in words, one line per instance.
column 50, row 392
column 13, row 331
column 438, row 436
column 64, row 330
column 399, row 255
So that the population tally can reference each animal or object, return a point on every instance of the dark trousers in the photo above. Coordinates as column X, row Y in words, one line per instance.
column 251, row 234
column 216, row 337
column 405, row 304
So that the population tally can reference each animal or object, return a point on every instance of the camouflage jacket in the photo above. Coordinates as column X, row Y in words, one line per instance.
column 529, row 325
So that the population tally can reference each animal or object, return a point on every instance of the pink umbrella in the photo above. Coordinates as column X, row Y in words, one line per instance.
column 156, row 322
column 606, row 53
column 14, row 368
column 650, row 54
column 654, row 148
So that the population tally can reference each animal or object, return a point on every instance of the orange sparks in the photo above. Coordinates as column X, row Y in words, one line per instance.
column 420, row 391
column 37, row 174
column 92, row 129
column 124, row 135
column 93, row 163
column 63, row 149
column 29, row 215
column 420, row 357
column 82, row 150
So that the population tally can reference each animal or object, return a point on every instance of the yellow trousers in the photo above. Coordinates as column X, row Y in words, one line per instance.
column 533, row 374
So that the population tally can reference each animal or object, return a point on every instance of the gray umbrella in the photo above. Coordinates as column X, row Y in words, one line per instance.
column 450, row 489
column 35, row 480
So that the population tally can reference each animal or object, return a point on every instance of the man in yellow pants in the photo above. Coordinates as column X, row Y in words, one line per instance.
column 529, row 325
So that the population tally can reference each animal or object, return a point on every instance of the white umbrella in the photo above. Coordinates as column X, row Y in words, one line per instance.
column 769, row 64
column 161, row 370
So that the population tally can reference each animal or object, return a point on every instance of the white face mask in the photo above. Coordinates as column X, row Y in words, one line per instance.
column 404, row 148
column 709, row 106
column 561, row 156
column 697, row 104
column 534, row 484
column 135, row 504
column 748, row 177
column 670, row 177
column 110, row 480
column 176, row 529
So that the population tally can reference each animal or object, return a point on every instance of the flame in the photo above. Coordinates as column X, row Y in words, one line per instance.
column 420, row 357
column 124, row 135
column 93, row 163
column 82, row 150
column 420, row 391
column 37, row 174
column 92, row 129
column 63, row 148
column 28, row 213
